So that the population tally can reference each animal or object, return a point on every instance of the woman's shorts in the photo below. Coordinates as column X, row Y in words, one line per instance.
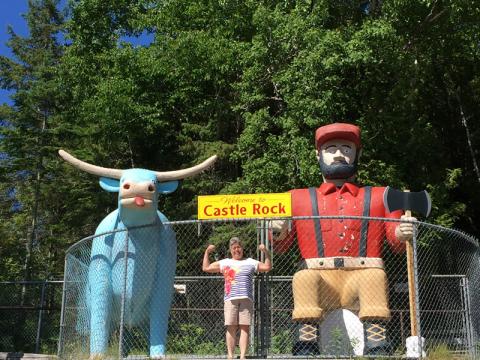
column 238, row 311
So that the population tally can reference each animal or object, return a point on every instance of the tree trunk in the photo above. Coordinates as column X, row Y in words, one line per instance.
column 469, row 138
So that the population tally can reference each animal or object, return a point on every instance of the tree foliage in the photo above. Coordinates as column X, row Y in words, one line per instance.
column 31, row 209
column 247, row 80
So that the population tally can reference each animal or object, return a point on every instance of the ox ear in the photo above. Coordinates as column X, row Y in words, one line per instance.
column 167, row 187
column 109, row 184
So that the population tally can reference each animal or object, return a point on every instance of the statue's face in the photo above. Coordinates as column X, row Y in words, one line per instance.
column 338, row 152
column 338, row 159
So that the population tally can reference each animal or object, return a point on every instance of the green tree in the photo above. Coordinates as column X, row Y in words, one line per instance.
column 27, row 134
column 250, row 81
column 312, row 64
column 29, row 247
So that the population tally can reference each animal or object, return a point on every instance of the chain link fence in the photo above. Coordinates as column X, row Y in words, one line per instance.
column 30, row 316
column 338, row 303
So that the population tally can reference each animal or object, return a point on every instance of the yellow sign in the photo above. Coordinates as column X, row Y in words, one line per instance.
column 244, row 206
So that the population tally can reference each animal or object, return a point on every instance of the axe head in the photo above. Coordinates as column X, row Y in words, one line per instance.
column 419, row 202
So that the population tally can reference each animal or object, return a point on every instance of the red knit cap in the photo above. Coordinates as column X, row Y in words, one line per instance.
column 338, row 131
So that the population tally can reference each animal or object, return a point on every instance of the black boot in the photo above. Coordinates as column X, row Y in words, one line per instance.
column 376, row 342
column 305, row 348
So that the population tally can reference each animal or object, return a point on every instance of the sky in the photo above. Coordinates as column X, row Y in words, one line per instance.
column 11, row 14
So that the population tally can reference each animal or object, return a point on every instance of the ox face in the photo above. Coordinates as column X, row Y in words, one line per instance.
column 138, row 191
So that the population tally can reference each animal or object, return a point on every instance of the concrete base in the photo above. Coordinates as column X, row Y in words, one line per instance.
column 23, row 356
column 414, row 344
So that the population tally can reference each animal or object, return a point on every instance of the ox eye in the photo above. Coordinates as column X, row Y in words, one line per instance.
column 151, row 187
column 126, row 186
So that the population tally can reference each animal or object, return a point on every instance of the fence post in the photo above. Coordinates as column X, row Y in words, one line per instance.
column 40, row 315
column 264, row 296
column 62, row 312
column 258, row 304
column 467, row 316
column 122, row 306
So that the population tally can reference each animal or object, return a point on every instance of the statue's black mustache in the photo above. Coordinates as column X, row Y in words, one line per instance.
column 338, row 169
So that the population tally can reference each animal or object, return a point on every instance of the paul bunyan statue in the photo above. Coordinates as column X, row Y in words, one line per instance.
column 342, row 258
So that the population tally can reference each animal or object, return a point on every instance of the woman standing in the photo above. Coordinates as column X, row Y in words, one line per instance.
column 238, row 299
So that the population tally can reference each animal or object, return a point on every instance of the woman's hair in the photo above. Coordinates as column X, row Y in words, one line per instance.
column 235, row 240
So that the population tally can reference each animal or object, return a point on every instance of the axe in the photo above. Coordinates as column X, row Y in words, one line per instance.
column 419, row 202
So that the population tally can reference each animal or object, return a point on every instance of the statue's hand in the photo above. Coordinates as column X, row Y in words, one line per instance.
column 277, row 225
column 404, row 231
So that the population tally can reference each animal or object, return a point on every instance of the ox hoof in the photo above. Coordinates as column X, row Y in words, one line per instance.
column 97, row 357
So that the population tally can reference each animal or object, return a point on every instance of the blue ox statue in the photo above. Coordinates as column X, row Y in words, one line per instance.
column 148, row 272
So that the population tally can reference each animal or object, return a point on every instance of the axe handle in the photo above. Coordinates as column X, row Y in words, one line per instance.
column 411, row 285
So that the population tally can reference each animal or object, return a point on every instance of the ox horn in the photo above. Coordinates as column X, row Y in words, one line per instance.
column 181, row 174
column 89, row 168
column 117, row 174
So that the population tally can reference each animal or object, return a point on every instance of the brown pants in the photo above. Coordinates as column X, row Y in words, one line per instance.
column 318, row 291
column 238, row 311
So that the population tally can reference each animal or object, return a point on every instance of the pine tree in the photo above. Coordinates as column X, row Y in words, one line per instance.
column 25, row 146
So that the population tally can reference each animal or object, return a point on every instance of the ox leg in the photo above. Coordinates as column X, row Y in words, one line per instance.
column 162, row 293
column 99, row 279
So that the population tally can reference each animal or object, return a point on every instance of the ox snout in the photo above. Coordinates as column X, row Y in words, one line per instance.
column 137, row 195
column 136, row 202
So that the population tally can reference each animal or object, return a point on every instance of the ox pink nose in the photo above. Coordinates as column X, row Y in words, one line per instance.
column 139, row 201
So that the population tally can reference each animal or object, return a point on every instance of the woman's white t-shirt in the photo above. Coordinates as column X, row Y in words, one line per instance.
column 238, row 275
